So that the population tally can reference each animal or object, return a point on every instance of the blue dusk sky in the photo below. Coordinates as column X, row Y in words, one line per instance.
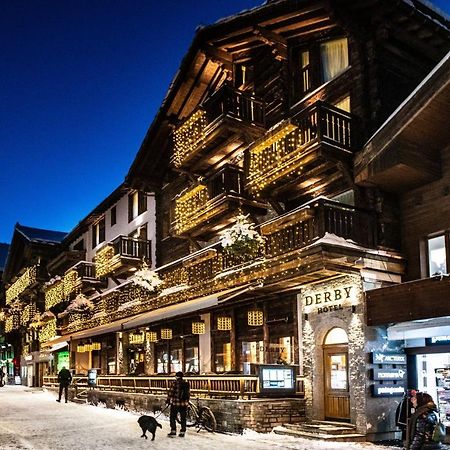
column 80, row 83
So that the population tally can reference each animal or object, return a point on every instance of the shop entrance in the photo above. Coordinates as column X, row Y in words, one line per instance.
column 336, row 389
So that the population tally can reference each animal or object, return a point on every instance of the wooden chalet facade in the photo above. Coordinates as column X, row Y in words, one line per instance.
column 264, row 119
column 263, row 129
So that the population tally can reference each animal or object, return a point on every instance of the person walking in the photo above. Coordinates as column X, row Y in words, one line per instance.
column 64, row 379
column 422, row 423
column 2, row 375
column 178, row 399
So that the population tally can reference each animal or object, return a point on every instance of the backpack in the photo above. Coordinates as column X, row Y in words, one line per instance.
column 439, row 431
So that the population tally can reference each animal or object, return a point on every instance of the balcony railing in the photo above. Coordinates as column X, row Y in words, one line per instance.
column 189, row 136
column 281, row 152
column 238, row 386
column 313, row 222
column 202, row 203
column 119, row 252
column 292, row 231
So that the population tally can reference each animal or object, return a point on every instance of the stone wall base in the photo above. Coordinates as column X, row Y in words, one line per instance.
column 234, row 416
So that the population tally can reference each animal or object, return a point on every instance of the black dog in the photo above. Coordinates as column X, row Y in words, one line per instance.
column 148, row 423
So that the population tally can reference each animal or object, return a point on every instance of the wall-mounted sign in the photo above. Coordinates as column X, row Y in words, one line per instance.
column 438, row 340
column 334, row 295
column 388, row 358
column 276, row 379
column 389, row 374
column 388, row 390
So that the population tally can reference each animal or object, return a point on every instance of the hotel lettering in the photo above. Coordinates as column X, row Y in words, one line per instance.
column 328, row 300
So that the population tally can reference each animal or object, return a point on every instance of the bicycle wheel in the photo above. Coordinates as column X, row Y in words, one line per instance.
column 191, row 415
column 207, row 419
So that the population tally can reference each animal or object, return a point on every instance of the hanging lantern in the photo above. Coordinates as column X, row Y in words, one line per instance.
column 152, row 336
column 255, row 317
column 166, row 333
column 224, row 323
column 198, row 327
column 96, row 346
column 81, row 348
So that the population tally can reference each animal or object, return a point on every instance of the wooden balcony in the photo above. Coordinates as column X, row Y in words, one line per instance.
column 414, row 300
column 217, row 129
column 321, row 222
column 300, row 156
column 30, row 278
column 207, row 208
column 122, row 255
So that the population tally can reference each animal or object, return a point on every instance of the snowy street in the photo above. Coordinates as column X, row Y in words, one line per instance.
column 32, row 419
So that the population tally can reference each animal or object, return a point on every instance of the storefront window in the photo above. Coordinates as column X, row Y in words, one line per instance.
column 223, row 357
column 252, row 353
column 162, row 359
column 176, row 360
column 191, row 358
column 280, row 351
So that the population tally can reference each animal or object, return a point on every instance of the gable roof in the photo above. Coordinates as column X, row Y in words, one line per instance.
column 3, row 255
column 39, row 235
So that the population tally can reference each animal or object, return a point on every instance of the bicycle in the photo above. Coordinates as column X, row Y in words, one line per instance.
column 200, row 416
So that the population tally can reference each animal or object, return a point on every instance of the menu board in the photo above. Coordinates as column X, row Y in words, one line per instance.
column 443, row 392
column 277, row 379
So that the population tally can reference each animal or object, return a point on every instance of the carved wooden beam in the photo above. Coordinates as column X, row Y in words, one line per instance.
column 218, row 56
column 274, row 40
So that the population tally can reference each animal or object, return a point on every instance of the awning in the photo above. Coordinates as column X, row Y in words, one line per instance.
column 420, row 329
column 167, row 312
column 180, row 309
column 56, row 347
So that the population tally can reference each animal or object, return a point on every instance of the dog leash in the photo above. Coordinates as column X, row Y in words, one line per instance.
column 162, row 411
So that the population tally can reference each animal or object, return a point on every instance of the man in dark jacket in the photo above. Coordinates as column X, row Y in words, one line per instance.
column 178, row 399
column 64, row 379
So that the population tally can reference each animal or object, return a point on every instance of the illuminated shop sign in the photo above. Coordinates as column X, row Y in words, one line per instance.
column 388, row 358
column 388, row 390
column 328, row 297
column 438, row 340
column 389, row 374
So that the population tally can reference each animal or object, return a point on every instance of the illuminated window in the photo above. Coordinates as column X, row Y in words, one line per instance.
column 437, row 255
column 333, row 58
column 336, row 336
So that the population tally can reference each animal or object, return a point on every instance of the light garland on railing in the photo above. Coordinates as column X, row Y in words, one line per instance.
column 187, row 208
column 54, row 294
column 103, row 260
column 28, row 314
column 271, row 158
column 187, row 136
column 70, row 282
column 26, row 279
column 48, row 330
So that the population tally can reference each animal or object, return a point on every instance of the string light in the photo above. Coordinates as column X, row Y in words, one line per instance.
column 103, row 261
column 188, row 136
column 28, row 278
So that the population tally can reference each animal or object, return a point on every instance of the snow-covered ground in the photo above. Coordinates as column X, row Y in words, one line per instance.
column 32, row 419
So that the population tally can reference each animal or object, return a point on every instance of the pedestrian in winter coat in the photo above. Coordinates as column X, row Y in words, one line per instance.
column 64, row 379
column 422, row 423
column 178, row 399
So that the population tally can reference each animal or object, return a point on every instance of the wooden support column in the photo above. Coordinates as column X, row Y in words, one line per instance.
column 233, row 340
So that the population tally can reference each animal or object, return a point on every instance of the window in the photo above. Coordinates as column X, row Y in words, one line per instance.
column 113, row 216
column 333, row 58
column 137, row 204
column 318, row 63
column 243, row 76
column 344, row 104
column 437, row 255
column 79, row 245
column 98, row 233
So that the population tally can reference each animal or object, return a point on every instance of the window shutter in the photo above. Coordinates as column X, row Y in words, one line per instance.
column 142, row 203
column 130, row 207
column 101, row 230
column 94, row 236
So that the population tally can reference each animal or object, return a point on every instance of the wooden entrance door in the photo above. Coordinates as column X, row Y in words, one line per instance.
column 337, row 398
